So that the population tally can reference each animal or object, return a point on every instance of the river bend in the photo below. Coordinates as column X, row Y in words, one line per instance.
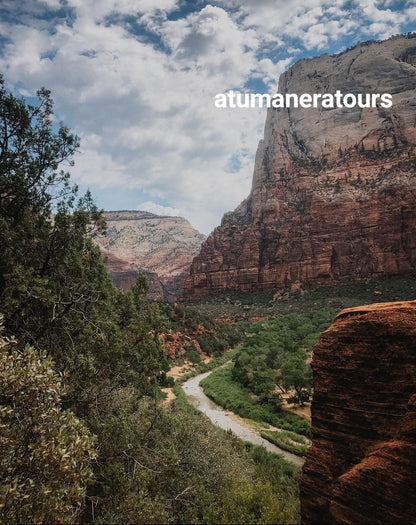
column 222, row 419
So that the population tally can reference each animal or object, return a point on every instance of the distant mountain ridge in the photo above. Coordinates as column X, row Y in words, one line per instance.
column 333, row 198
column 162, row 247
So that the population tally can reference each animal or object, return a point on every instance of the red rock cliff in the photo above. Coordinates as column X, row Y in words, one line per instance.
column 334, row 190
column 361, row 466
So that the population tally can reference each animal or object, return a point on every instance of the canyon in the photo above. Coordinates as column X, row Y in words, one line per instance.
column 333, row 197
column 160, row 247
column 360, row 468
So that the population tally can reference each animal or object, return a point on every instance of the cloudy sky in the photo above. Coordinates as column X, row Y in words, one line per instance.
column 136, row 80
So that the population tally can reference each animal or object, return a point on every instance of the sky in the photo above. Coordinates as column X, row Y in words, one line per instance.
column 136, row 81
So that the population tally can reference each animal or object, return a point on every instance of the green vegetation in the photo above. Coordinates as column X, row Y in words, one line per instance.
column 287, row 440
column 45, row 451
column 193, row 355
column 220, row 387
column 271, row 361
column 84, row 436
column 245, row 306
column 176, row 467
column 210, row 365
column 297, row 374
column 268, row 472
column 211, row 336
column 273, row 357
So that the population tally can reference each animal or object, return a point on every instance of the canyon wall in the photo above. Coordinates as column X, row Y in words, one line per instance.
column 362, row 463
column 160, row 247
column 333, row 198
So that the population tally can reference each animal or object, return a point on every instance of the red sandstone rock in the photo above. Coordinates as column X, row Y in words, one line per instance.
column 334, row 191
column 124, row 273
column 361, row 466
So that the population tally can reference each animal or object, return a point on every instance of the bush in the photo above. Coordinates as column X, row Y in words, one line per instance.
column 192, row 355
column 287, row 440
column 45, row 452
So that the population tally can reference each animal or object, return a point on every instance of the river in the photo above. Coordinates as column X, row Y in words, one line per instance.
column 224, row 420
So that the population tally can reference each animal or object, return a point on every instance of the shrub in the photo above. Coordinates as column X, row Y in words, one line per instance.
column 45, row 452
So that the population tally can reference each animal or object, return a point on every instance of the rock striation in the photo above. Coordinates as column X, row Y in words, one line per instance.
column 361, row 466
column 333, row 198
column 160, row 247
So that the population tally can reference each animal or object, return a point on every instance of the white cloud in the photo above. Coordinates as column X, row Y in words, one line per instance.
column 319, row 22
column 212, row 45
column 144, row 108
column 98, row 10
column 158, row 209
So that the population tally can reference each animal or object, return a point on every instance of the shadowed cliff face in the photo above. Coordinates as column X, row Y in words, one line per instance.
column 334, row 191
column 361, row 466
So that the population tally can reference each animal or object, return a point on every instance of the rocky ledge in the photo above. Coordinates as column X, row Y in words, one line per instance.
column 361, row 466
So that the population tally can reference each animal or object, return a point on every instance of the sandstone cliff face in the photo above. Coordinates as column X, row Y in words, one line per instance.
column 141, row 242
column 361, row 466
column 123, row 273
column 334, row 190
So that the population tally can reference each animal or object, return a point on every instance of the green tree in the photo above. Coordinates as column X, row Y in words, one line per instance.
column 297, row 374
column 253, row 370
column 45, row 452
column 54, row 289
column 43, row 257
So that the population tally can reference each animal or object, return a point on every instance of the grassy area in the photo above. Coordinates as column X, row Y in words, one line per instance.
column 220, row 387
column 287, row 440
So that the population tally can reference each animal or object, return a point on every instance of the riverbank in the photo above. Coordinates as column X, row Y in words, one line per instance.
column 228, row 421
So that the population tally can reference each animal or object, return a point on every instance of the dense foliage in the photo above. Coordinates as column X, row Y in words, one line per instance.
column 272, row 360
column 248, row 306
column 211, row 336
column 176, row 467
column 228, row 393
column 45, row 451
column 88, row 359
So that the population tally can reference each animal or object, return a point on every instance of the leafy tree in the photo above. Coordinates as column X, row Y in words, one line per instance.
column 54, row 288
column 43, row 258
column 178, row 468
column 45, row 452
column 139, row 288
column 192, row 355
column 255, row 369
column 297, row 374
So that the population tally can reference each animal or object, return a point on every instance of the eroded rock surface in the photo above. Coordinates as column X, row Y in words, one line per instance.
column 333, row 198
column 160, row 247
column 361, row 466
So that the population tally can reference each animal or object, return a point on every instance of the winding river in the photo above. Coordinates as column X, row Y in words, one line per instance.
column 222, row 419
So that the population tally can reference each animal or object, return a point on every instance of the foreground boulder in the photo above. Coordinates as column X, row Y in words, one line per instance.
column 361, row 466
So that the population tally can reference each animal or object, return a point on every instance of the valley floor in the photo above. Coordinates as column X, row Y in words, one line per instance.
column 229, row 421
